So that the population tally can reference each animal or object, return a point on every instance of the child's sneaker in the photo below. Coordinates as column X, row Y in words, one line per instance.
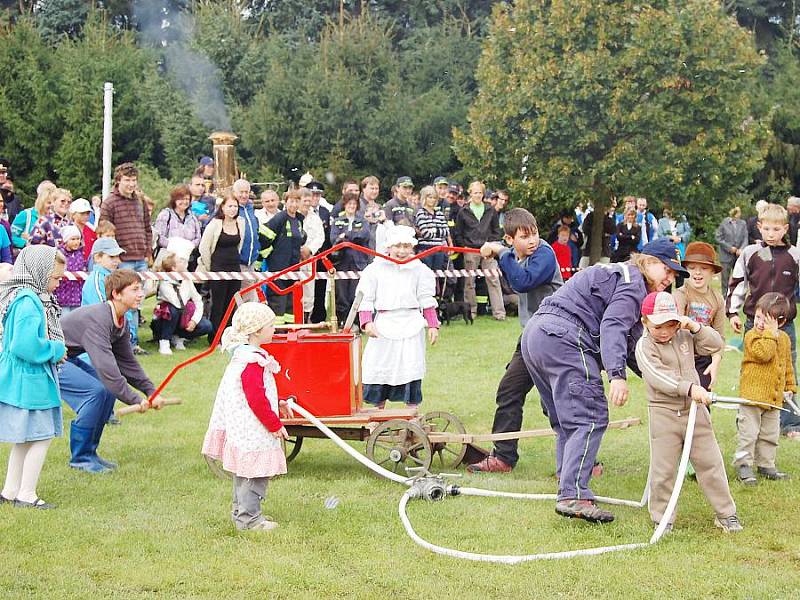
column 667, row 529
column 745, row 474
column 179, row 343
column 772, row 473
column 729, row 524
column 163, row 347
column 264, row 525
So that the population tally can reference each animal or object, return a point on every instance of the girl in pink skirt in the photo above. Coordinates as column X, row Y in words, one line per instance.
column 245, row 431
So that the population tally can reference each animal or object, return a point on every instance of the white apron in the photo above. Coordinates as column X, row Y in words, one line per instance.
column 397, row 355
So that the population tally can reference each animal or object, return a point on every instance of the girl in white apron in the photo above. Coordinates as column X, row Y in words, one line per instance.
column 397, row 306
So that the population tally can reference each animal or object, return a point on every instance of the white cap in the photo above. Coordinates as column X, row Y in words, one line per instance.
column 81, row 205
column 180, row 247
column 306, row 179
column 69, row 231
column 400, row 234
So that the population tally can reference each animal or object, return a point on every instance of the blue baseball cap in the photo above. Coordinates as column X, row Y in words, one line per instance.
column 666, row 252
column 206, row 161
column 107, row 245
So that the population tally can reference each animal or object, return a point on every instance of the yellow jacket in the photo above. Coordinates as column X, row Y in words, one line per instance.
column 766, row 367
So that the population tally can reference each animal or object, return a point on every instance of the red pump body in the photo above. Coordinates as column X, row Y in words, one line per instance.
column 321, row 370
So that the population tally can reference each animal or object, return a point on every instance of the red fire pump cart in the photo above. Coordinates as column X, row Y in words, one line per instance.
column 400, row 440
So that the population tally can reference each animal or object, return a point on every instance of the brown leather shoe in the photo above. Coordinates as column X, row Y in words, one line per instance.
column 583, row 509
column 490, row 464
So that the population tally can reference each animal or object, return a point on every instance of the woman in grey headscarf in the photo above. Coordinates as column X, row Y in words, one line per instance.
column 31, row 345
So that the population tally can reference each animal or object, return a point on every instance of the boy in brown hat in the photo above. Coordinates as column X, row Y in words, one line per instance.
column 698, row 301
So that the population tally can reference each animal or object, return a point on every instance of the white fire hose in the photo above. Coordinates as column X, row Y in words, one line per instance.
column 433, row 488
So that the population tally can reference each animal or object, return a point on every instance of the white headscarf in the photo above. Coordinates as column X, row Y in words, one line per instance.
column 249, row 318
column 32, row 269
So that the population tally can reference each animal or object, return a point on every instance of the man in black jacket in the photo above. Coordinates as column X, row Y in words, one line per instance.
column 476, row 224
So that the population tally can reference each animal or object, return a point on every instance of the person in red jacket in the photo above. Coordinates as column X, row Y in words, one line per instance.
column 564, row 252
column 245, row 431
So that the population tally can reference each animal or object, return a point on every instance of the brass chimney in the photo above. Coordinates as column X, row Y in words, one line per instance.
column 226, row 171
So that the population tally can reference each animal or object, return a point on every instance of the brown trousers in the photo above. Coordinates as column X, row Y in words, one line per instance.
column 759, row 431
column 667, row 434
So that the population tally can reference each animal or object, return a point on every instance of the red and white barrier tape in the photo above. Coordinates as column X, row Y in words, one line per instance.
column 251, row 276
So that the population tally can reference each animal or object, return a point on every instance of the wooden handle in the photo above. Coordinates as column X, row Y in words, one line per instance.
column 137, row 408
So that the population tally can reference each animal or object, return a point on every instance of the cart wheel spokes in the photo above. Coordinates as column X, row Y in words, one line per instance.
column 215, row 466
column 447, row 455
column 291, row 447
column 398, row 445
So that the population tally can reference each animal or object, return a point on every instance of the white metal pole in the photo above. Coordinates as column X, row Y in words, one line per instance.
column 108, row 102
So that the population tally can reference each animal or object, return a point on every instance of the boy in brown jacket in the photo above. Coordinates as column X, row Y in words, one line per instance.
column 665, row 354
column 766, row 376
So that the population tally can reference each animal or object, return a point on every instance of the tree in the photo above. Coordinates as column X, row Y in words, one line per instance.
column 772, row 21
column 57, row 18
column 84, row 65
column 29, row 103
column 584, row 100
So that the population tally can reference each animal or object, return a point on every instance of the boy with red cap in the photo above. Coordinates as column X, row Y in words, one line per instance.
column 665, row 354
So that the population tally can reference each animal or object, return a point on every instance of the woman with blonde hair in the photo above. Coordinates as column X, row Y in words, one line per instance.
column 48, row 227
column 431, row 227
column 23, row 223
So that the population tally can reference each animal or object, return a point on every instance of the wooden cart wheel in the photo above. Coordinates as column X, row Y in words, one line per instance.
column 398, row 445
column 291, row 447
column 447, row 455
column 215, row 466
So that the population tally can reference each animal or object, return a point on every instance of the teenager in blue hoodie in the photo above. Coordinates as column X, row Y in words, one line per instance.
column 532, row 270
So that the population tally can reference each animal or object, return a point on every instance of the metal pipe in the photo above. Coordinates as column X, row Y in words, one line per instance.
column 108, row 105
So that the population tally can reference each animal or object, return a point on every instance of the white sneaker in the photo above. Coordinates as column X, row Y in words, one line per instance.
column 264, row 526
column 163, row 347
column 179, row 343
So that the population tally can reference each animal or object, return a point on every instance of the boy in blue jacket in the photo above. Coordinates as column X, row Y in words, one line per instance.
column 532, row 270
column 105, row 254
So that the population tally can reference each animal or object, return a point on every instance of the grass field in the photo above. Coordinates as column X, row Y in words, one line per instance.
column 159, row 526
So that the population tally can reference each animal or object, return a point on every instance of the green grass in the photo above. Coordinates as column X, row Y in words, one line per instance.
column 159, row 526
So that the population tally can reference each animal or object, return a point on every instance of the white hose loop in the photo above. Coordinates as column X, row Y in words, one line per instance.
column 515, row 559
column 676, row 490
column 346, row 447
column 499, row 558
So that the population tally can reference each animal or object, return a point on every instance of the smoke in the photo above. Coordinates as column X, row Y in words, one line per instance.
column 162, row 26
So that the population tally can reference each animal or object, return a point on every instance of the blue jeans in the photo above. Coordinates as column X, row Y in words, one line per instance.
column 83, row 391
column 789, row 421
column 132, row 316
column 164, row 329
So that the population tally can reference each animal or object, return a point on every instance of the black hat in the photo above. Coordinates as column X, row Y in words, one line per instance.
column 404, row 181
column 453, row 188
column 316, row 186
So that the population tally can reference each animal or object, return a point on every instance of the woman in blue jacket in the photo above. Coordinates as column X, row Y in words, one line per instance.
column 590, row 324
column 32, row 345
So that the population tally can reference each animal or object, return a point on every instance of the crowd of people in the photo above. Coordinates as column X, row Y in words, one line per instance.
column 77, row 340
